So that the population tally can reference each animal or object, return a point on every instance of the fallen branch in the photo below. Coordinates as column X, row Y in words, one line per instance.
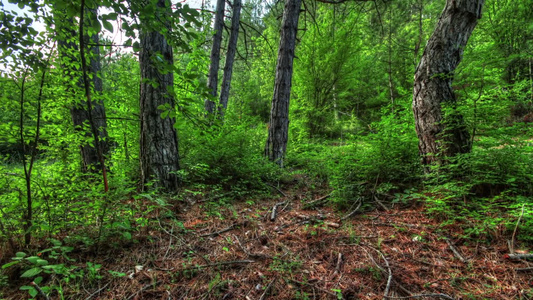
column 312, row 285
column 443, row 296
column 523, row 269
column 38, row 288
column 359, row 202
column 273, row 215
column 389, row 279
column 231, row 227
column 223, row 263
column 316, row 202
column 515, row 229
column 516, row 256
column 255, row 255
column 277, row 189
column 340, row 261
column 380, row 203
column 456, row 252
column 144, row 288
column 98, row 291
column 263, row 296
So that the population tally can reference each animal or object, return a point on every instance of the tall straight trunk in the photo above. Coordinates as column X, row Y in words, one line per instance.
column 79, row 111
column 443, row 136
column 159, row 156
column 230, row 57
column 212, row 80
column 278, row 131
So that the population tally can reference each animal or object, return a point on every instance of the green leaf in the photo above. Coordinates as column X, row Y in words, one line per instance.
column 31, row 272
column 20, row 254
column 38, row 280
column 107, row 26
column 10, row 264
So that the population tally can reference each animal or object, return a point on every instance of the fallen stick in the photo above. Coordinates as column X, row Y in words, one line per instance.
column 317, row 201
column 40, row 290
column 444, row 296
column 98, row 291
column 273, row 215
column 516, row 256
column 232, row 226
column 456, row 252
column 263, row 296
column 254, row 255
column 524, row 269
column 359, row 202
column 223, row 263
column 277, row 189
column 340, row 261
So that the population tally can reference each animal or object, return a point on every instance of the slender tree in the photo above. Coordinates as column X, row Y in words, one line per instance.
column 230, row 57
column 443, row 136
column 278, row 131
column 212, row 81
column 79, row 111
column 159, row 156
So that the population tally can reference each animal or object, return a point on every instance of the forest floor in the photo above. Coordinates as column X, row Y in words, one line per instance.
column 304, row 253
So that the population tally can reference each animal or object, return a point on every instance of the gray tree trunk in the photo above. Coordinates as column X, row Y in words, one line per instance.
column 443, row 136
column 230, row 57
column 212, row 80
column 79, row 111
column 278, row 131
column 159, row 155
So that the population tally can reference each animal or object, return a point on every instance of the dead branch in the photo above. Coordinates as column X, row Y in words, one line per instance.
column 248, row 253
column 340, row 261
column 358, row 202
column 316, row 202
column 263, row 296
column 515, row 229
column 182, row 241
column 276, row 188
column 144, row 288
column 516, row 256
column 389, row 279
column 274, row 210
column 231, row 227
column 98, row 291
column 443, row 296
column 301, row 283
column 456, row 252
column 223, row 263
column 380, row 203
column 38, row 288
column 523, row 269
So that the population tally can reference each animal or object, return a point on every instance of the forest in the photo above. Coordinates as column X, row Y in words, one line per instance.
column 248, row 149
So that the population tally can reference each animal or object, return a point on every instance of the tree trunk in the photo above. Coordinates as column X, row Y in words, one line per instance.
column 159, row 155
column 443, row 136
column 230, row 57
column 79, row 112
column 212, row 80
column 278, row 130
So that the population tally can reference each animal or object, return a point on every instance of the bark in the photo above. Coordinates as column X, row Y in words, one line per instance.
column 443, row 136
column 230, row 57
column 212, row 80
column 79, row 112
column 159, row 155
column 278, row 130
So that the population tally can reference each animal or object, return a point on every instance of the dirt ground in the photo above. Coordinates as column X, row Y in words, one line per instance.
column 305, row 251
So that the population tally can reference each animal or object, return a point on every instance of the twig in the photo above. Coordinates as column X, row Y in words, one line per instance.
column 232, row 226
column 524, row 269
column 98, row 291
column 518, row 256
column 274, row 210
column 223, row 263
column 456, row 252
column 340, row 261
column 38, row 288
column 359, row 202
column 312, row 285
column 444, row 296
column 317, row 201
column 515, row 228
column 277, row 189
column 389, row 279
column 182, row 242
column 263, row 296
column 380, row 203
column 255, row 255
column 144, row 288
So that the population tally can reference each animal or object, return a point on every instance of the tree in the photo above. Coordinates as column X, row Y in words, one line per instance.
column 212, row 81
column 443, row 134
column 159, row 156
column 81, row 115
column 278, row 130
column 230, row 57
